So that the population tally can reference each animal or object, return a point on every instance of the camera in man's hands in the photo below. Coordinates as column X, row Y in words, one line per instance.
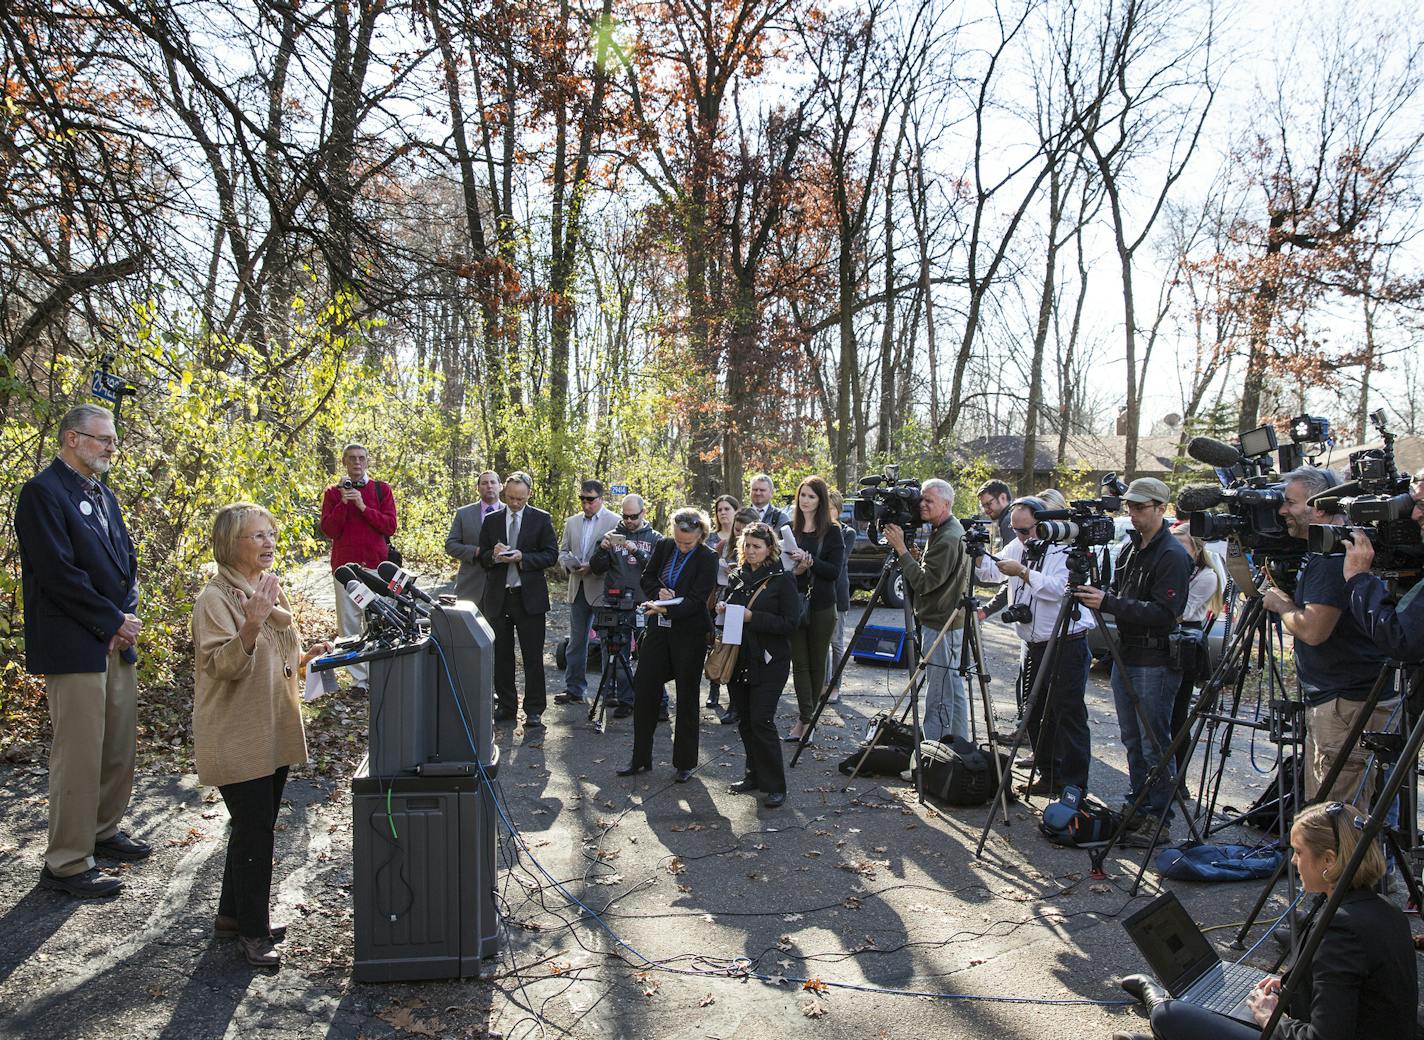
column 346, row 484
column 1035, row 549
column 886, row 499
column 1016, row 614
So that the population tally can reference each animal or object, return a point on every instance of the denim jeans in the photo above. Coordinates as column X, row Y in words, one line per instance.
column 576, row 663
column 946, row 700
column 1156, row 687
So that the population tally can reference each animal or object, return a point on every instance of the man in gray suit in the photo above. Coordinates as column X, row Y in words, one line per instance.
column 582, row 534
column 463, row 541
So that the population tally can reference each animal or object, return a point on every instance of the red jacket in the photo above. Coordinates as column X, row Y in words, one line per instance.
column 358, row 537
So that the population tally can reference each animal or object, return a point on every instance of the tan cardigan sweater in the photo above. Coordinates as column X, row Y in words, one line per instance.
column 247, row 719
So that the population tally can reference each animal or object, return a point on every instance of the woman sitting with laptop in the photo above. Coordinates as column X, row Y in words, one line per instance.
column 1362, row 981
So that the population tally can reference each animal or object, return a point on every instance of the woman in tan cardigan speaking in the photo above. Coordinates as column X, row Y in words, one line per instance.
column 247, row 719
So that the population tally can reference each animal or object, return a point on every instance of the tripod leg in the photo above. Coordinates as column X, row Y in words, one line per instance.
column 973, row 635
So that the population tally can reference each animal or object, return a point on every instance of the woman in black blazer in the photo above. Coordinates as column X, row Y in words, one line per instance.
column 764, row 661
column 674, row 644
column 1362, row 981
column 818, row 552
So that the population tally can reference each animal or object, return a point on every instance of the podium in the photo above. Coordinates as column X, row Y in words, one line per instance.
column 423, row 814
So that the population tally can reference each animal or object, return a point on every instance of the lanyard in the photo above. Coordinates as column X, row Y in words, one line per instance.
column 673, row 570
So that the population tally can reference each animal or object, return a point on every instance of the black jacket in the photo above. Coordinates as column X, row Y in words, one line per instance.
column 79, row 582
column 1362, row 982
column 847, row 533
column 1395, row 630
column 775, row 615
column 827, row 559
column 540, row 549
column 1149, row 594
column 694, row 584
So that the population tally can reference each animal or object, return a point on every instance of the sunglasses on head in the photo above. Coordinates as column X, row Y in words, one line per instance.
column 688, row 526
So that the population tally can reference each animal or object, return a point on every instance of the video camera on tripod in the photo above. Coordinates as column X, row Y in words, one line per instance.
column 886, row 499
column 1086, row 524
column 1376, row 500
column 619, row 613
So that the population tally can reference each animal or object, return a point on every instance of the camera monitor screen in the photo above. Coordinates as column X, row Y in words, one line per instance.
column 1258, row 441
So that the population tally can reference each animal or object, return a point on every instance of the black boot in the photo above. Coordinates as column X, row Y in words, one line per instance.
column 1145, row 990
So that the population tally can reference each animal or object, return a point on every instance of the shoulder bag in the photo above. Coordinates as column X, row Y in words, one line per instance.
column 722, row 660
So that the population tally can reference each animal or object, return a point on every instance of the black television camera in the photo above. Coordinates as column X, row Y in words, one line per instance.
column 886, row 499
column 1376, row 500
column 1086, row 524
column 976, row 536
column 1249, row 486
column 619, row 615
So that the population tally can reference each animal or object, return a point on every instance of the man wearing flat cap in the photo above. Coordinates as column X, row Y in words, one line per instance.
column 1148, row 594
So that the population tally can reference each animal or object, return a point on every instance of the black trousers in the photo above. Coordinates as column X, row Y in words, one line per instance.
column 754, row 696
column 1059, row 723
column 664, row 654
column 517, row 623
column 1178, row 1020
column 247, row 871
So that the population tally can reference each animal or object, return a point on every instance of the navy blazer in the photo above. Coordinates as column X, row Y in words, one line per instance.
column 540, row 549
column 78, row 581
column 694, row 584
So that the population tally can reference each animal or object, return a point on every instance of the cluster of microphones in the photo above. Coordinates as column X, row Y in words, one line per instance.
column 394, row 606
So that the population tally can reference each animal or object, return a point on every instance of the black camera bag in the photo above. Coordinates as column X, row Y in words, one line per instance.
column 956, row 772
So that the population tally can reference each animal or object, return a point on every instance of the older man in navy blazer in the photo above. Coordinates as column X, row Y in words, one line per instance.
column 517, row 545
column 80, row 579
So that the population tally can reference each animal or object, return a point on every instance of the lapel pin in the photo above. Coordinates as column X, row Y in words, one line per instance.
column 85, row 508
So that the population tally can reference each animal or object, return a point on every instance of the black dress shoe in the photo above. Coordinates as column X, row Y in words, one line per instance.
column 622, row 711
column 226, row 928
column 533, row 722
column 775, row 800
column 633, row 768
column 89, row 885
column 504, row 716
column 1145, row 990
column 731, row 718
column 682, row 776
column 120, row 846
column 567, row 698
column 744, row 787
column 663, row 715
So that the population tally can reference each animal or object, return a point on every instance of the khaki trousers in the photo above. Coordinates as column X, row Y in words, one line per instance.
column 1326, row 726
column 91, row 761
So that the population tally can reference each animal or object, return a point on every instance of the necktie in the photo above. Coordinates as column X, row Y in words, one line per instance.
column 95, row 494
column 512, row 581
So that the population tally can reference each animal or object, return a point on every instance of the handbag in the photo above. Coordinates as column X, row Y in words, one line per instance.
column 722, row 660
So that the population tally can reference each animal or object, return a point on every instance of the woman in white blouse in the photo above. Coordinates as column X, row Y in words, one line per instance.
column 1206, row 594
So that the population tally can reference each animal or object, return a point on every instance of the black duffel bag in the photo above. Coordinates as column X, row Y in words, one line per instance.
column 957, row 773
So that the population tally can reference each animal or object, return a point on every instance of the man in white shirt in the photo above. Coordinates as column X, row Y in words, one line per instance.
column 582, row 534
column 1065, row 750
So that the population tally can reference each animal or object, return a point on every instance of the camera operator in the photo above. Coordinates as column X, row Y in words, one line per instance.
column 994, row 501
column 939, row 583
column 620, row 557
column 1335, row 661
column 1148, row 595
column 1038, row 586
column 1396, row 627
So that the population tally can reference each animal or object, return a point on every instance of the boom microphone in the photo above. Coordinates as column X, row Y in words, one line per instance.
column 401, row 581
column 1213, row 452
column 1196, row 498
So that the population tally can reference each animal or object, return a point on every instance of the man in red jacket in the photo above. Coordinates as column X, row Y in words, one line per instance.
column 359, row 516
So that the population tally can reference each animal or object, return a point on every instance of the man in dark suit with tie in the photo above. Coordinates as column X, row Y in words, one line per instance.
column 517, row 545
column 759, row 493
column 463, row 541
column 80, row 578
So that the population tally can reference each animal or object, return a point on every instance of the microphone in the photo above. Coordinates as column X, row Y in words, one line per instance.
column 402, row 582
column 1213, row 452
column 375, row 605
column 1196, row 498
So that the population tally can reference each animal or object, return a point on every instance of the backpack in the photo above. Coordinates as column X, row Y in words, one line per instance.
column 1079, row 820
column 1262, row 814
column 956, row 772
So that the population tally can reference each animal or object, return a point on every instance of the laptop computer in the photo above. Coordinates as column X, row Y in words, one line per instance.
column 1186, row 964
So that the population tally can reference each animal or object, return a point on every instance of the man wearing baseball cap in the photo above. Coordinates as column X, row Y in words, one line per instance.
column 1147, row 598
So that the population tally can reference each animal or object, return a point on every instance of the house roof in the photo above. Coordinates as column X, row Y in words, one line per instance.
column 1092, row 452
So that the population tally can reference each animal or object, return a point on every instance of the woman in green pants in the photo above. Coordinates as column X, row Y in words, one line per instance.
column 817, row 555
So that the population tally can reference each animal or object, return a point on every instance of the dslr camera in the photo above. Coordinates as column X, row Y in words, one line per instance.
column 886, row 499
column 1016, row 614
column 1381, row 508
column 1087, row 523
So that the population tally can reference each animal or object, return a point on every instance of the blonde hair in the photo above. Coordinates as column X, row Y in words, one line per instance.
column 693, row 515
column 1204, row 557
column 1337, row 828
column 1053, row 498
column 227, row 529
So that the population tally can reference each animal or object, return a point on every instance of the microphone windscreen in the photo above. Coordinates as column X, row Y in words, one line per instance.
column 1195, row 498
column 1213, row 452
column 344, row 574
column 370, row 579
column 387, row 570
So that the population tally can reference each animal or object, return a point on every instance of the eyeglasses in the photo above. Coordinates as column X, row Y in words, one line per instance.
column 264, row 537
column 589, row 498
column 1023, row 530
column 108, row 442
column 631, row 516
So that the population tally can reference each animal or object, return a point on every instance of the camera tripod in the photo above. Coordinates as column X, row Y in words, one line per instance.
column 616, row 640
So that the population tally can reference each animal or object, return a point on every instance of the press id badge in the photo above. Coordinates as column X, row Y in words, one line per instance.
column 664, row 621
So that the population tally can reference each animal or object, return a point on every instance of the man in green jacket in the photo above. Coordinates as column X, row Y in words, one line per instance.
column 939, row 583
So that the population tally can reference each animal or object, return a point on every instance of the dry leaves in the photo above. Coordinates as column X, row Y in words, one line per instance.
column 815, row 1009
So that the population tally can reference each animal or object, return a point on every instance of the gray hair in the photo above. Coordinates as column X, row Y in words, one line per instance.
column 762, row 477
column 355, row 446
column 79, row 416
column 523, row 478
column 1314, row 479
column 943, row 488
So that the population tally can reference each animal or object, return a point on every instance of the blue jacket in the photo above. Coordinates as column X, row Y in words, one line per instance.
column 1396, row 631
column 78, row 582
